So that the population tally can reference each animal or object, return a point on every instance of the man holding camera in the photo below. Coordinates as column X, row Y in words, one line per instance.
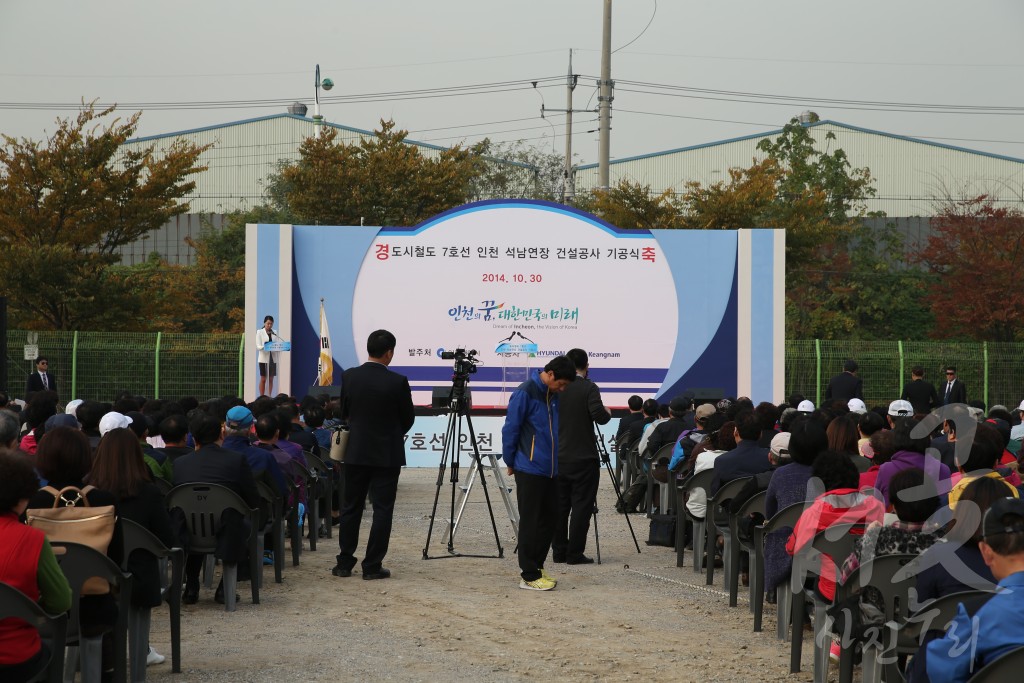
column 579, row 464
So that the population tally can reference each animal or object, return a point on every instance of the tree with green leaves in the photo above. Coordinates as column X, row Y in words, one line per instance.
column 632, row 205
column 381, row 180
column 69, row 204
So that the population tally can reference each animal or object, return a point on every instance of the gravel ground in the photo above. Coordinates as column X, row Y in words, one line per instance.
column 633, row 617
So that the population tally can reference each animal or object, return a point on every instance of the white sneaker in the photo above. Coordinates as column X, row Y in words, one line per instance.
column 154, row 657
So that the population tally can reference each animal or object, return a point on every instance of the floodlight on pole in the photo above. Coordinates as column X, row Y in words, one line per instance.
column 326, row 84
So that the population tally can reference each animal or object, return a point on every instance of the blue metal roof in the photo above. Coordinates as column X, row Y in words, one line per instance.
column 811, row 125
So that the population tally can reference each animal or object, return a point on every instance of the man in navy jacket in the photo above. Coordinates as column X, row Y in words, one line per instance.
column 529, row 441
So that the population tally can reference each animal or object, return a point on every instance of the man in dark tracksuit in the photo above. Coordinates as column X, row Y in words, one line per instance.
column 529, row 445
column 579, row 465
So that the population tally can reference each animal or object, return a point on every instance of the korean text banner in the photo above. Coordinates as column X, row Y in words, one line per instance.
column 520, row 282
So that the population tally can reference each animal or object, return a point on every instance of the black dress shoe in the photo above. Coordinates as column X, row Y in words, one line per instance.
column 582, row 559
column 341, row 571
column 379, row 574
column 190, row 595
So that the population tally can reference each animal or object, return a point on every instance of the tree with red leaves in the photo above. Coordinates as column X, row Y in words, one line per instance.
column 976, row 250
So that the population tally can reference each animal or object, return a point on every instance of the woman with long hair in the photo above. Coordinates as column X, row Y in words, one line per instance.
column 118, row 467
column 842, row 438
column 64, row 459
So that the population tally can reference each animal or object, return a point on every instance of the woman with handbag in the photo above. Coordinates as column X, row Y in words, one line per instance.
column 64, row 459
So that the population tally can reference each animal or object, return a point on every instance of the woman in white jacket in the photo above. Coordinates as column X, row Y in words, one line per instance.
column 267, row 359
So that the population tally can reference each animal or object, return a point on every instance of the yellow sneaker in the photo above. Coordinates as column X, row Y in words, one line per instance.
column 544, row 575
column 540, row 584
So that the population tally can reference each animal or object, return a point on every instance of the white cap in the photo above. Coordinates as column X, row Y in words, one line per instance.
column 901, row 408
column 1021, row 406
column 114, row 420
column 805, row 406
column 780, row 445
column 72, row 407
column 856, row 406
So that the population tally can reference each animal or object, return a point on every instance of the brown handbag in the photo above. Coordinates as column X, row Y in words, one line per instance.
column 73, row 520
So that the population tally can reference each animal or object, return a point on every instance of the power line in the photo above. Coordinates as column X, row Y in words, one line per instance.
column 767, row 98
column 389, row 96
column 845, row 130
column 820, row 61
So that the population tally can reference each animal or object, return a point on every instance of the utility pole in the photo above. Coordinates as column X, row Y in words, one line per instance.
column 604, row 99
column 568, row 189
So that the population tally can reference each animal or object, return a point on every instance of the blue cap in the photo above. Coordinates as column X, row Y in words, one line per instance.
column 239, row 417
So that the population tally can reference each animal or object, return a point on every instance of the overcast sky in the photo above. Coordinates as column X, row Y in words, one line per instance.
column 903, row 52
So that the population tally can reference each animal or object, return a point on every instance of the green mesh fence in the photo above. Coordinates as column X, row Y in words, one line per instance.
column 96, row 365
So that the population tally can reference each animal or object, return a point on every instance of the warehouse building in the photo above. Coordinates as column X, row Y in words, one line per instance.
column 909, row 174
column 243, row 154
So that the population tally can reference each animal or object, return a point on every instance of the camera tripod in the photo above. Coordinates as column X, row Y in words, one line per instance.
column 607, row 462
column 457, row 410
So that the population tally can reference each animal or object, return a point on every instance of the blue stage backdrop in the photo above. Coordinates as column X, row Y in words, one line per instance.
column 659, row 311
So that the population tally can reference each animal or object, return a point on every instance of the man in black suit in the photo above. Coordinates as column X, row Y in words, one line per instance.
column 579, row 465
column 845, row 385
column 920, row 393
column 211, row 463
column 377, row 405
column 41, row 379
column 955, row 391
column 636, row 414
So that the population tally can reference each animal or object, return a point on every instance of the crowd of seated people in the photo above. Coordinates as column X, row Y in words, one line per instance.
column 126, row 454
column 904, row 481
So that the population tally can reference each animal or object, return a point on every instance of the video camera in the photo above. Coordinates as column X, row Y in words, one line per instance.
column 465, row 363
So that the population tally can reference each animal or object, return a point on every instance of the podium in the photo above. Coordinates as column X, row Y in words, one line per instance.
column 514, row 374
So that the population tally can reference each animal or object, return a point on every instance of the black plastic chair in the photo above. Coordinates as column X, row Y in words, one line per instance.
column 783, row 519
column 663, row 453
column 753, row 505
column 79, row 564
column 203, row 505
column 311, row 481
column 903, row 637
column 700, row 481
column 837, row 543
column 622, row 447
column 138, row 538
column 52, row 628
column 1006, row 669
column 273, row 524
column 715, row 515
column 888, row 574
column 325, row 472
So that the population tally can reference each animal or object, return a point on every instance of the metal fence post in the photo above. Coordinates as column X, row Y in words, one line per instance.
column 241, row 365
column 899, row 380
column 74, row 365
column 984, row 351
column 156, row 368
column 817, row 372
